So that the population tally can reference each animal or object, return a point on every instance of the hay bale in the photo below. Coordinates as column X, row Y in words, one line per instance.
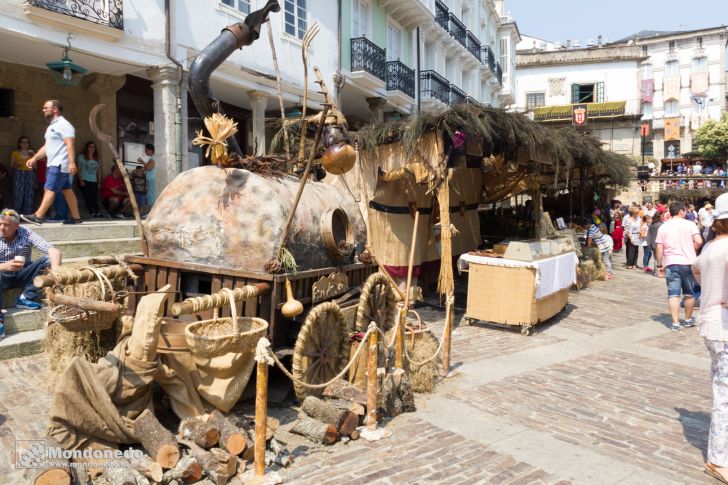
column 423, row 377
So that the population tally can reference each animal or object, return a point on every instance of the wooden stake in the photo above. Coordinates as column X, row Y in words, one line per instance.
column 449, row 316
column 280, row 92
column 261, row 411
column 399, row 343
column 371, row 419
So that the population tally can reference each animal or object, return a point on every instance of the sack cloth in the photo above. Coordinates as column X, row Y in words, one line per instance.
column 99, row 402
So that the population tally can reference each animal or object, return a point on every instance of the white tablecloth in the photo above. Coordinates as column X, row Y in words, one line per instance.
column 552, row 274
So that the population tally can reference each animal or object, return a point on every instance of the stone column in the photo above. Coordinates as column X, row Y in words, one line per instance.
column 258, row 101
column 376, row 109
column 164, row 83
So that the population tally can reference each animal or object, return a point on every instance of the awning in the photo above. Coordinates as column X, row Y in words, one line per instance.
column 564, row 112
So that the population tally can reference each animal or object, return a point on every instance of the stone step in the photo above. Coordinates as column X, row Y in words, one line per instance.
column 89, row 230
column 17, row 320
column 96, row 247
column 21, row 344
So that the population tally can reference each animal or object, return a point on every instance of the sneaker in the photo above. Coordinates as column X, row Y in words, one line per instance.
column 2, row 328
column 675, row 327
column 27, row 303
column 72, row 221
column 689, row 322
column 32, row 218
column 118, row 216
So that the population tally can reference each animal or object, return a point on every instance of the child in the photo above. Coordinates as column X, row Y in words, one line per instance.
column 646, row 247
column 139, row 186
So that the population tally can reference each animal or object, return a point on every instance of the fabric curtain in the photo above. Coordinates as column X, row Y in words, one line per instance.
column 647, row 90
column 699, row 83
column 671, row 87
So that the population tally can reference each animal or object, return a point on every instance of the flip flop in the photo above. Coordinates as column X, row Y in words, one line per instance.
column 711, row 470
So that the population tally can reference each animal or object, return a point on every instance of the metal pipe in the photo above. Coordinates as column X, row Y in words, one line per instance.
column 232, row 37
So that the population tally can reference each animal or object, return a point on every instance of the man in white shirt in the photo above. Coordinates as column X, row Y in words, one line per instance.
column 649, row 209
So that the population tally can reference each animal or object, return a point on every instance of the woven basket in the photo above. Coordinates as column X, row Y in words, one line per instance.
column 219, row 336
column 76, row 319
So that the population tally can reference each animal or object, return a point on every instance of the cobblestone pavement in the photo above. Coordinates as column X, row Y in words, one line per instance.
column 602, row 394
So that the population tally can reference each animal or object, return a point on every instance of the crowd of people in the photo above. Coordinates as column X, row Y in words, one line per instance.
column 54, row 170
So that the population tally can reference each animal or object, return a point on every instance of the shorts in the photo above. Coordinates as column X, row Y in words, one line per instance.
column 679, row 278
column 57, row 180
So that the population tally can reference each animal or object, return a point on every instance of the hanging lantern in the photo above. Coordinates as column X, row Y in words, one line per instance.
column 65, row 72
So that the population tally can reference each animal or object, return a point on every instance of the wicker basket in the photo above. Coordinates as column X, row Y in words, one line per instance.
column 219, row 336
column 76, row 319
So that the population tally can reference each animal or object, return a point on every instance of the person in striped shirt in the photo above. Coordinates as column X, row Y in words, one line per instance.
column 17, row 270
column 604, row 244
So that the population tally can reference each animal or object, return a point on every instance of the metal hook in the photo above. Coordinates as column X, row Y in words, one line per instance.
column 68, row 40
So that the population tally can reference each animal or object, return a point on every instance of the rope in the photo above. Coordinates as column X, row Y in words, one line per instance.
column 262, row 351
column 265, row 346
column 123, row 264
column 450, row 302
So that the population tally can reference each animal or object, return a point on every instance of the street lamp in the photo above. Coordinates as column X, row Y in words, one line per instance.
column 66, row 72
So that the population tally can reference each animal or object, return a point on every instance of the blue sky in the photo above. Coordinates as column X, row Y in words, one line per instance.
column 558, row 20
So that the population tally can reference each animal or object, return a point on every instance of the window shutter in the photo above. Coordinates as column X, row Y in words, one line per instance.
column 574, row 93
column 600, row 92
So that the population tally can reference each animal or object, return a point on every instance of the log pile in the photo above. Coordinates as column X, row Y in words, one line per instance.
column 156, row 440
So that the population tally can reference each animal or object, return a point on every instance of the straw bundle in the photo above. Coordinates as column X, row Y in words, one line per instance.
column 220, row 128
column 446, row 282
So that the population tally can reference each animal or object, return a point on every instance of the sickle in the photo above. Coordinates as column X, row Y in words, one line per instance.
column 104, row 138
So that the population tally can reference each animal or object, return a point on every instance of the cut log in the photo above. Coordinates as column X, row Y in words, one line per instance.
column 352, row 406
column 85, row 303
column 187, row 470
column 232, row 439
column 59, row 474
column 218, row 464
column 117, row 476
column 316, row 431
column 341, row 389
column 147, row 467
column 156, row 439
column 72, row 277
column 202, row 433
column 354, row 435
column 344, row 421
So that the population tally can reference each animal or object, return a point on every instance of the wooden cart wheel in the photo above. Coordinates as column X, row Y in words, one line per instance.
column 322, row 348
column 377, row 303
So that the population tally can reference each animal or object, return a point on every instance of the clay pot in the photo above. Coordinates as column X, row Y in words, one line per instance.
column 339, row 158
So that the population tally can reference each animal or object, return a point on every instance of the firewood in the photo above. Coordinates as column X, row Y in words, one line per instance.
column 341, row 389
column 232, row 439
column 352, row 406
column 404, row 389
column 202, row 433
column 218, row 464
column 59, row 474
column 117, row 476
column 187, row 470
column 354, row 435
column 156, row 440
column 147, row 467
column 316, row 431
column 344, row 421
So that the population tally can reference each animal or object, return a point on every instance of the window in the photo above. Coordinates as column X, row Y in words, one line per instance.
column 699, row 41
column 646, row 71
column 646, row 111
column 7, row 103
column 672, row 68
column 700, row 64
column 360, row 19
column 295, row 18
column 645, row 50
column 504, row 55
column 671, row 47
column 394, row 43
column 587, row 93
column 671, row 108
column 242, row 6
column 534, row 100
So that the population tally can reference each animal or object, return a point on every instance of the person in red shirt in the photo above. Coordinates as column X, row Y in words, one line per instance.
column 113, row 194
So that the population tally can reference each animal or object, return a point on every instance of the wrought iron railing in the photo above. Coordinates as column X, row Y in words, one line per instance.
column 433, row 85
column 102, row 12
column 471, row 100
column 457, row 95
column 472, row 44
column 487, row 57
column 499, row 73
column 400, row 77
column 369, row 57
column 442, row 14
column 457, row 29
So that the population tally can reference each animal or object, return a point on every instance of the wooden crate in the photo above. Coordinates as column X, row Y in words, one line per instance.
column 506, row 296
column 191, row 279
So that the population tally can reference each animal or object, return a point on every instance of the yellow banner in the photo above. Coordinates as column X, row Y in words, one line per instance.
column 564, row 112
column 672, row 129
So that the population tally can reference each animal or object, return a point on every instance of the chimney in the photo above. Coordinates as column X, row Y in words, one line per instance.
column 599, row 40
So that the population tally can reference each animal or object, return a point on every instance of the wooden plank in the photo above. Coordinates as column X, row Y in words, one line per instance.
column 202, row 268
column 214, row 288
column 162, row 281
column 150, row 278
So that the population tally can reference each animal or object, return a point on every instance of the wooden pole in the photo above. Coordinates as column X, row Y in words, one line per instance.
column 384, row 272
column 371, row 419
column 280, row 92
column 73, row 277
column 261, row 417
column 411, row 261
column 207, row 302
column 399, row 343
column 449, row 316
column 85, row 303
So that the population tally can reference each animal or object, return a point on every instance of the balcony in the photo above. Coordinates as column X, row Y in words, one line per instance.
column 433, row 85
column 487, row 58
column 458, row 30
column 370, row 60
column 472, row 44
column 409, row 13
column 457, row 95
column 103, row 19
column 400, row 78
column 442, row 15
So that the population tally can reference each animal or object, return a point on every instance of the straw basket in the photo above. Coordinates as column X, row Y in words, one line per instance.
column 219, row 336
column 414, row 333
column 76, row 319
